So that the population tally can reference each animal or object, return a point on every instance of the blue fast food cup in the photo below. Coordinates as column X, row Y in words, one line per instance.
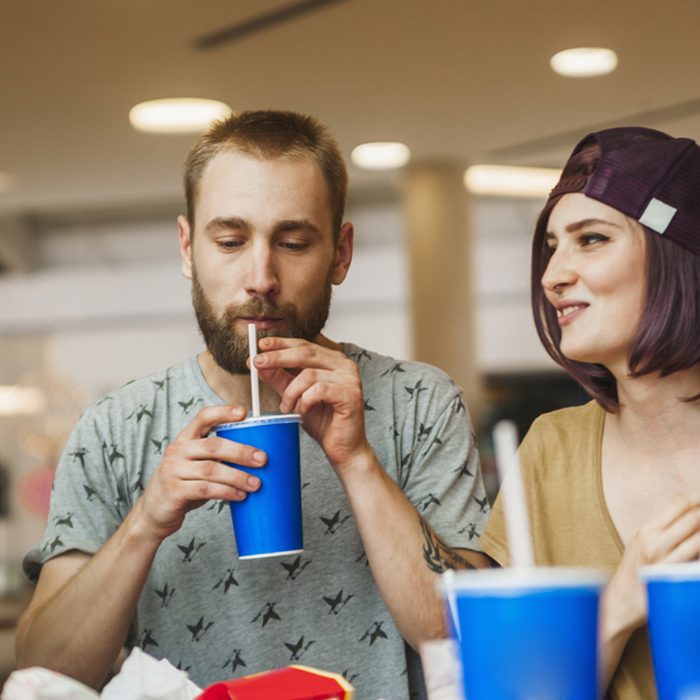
column 527, row 633
column 673, row 594
column 268, row 522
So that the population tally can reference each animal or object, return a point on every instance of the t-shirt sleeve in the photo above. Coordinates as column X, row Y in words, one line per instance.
column 84, row 502
column 494, row 541
column 443, row 477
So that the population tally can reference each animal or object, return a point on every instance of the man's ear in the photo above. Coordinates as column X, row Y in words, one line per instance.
column 343, row 253
column 185, row 237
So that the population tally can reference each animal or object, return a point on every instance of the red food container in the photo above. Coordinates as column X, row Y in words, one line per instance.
column 290, row 683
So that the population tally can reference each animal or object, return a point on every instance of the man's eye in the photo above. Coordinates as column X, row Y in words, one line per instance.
column 294, row 245
column 229, row 244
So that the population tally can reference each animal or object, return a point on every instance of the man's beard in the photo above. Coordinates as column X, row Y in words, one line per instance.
column 229, row 349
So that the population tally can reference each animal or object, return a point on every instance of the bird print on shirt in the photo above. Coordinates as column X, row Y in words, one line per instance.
column 374, row 633
column 483, row 504
column 190, row 549
column 332, row 524
column 415, row 390
column 199, row 629
column 295, row 568
column 393, row 370
column 66, row 519
column 267, row 613
column 79, row 454
column 139, row 412
column 227, row 580
column 235, row 660
column 337, row 602
column 299, row 649
column 186, row 406
column 165, row 594
column 146, row 640
column 159, row 445
column 463, row 470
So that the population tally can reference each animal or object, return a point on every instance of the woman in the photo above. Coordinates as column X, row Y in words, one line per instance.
column 616, row 299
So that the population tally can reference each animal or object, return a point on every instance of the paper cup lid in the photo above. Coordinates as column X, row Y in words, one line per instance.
column 516, row 580
column 252, row 421
column 681, row 571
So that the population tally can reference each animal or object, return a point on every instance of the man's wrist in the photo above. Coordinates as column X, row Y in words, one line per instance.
column 361, row 466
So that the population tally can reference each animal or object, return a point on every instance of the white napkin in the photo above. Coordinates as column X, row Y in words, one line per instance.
column 41, row 684
column 141, row 678
column 144, row 678
column 442, row 669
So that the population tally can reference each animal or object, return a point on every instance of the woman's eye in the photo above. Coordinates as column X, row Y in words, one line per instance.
column 588, row 239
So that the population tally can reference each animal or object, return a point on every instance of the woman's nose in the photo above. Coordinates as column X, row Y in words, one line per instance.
column 560, row 272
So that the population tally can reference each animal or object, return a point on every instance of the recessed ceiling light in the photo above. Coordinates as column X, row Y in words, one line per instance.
column 17, row 400
column 381, row 155
column 510, row 180
column 176, row 115
column 584, row 62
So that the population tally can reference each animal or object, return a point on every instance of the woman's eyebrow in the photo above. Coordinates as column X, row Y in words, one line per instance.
column 577, row 225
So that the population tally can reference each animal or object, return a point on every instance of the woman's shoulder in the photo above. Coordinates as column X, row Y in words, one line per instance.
column 571, row 417
column 569, row 429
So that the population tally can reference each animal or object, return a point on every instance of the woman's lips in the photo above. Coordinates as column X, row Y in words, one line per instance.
column 567, row 313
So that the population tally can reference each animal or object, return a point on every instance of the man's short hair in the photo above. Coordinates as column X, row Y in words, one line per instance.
column 270, row 134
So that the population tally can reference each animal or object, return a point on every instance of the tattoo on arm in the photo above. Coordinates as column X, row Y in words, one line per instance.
column 438, row 556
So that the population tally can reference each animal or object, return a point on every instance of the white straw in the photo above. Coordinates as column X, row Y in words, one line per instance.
column 253, row 351
column 505, row 438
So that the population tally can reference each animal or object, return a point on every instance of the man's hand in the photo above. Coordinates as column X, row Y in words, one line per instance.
column 192, row 472
column 322, row 385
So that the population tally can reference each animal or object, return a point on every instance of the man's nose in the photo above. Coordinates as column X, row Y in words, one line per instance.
column 262, row 278
column 560, row 272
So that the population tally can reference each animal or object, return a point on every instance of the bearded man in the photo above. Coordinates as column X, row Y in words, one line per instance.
column 389, row 496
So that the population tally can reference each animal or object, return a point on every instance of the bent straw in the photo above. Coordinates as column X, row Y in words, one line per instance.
column 254, row 385
column 505, row 438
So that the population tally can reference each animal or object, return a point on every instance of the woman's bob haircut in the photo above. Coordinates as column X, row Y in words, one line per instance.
column 668, row 337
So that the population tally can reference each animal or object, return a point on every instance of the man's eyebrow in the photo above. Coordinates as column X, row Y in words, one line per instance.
column 584, row 223
column 233, row 223
column 296, row 225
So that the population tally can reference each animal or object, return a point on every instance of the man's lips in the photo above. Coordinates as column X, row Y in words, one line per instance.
column 569, row 311
column 262, row 323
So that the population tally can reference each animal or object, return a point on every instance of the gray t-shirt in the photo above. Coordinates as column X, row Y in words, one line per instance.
column 219, row 617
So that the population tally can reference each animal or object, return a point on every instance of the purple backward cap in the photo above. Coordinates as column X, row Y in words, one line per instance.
column 646, row 174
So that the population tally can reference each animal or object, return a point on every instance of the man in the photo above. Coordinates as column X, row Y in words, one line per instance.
column 390, row 472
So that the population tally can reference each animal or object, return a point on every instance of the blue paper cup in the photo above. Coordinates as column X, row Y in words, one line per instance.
column 268, row 521
column 527, row 633
column 673, row 593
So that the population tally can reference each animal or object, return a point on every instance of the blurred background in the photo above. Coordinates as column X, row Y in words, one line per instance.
column 90, row 289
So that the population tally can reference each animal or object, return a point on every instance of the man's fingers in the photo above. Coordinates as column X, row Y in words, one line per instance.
column 278, row 379
column 219, row 450
column 209, row 417
column 292, row 353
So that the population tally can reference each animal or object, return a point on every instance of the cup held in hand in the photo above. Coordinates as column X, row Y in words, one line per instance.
column 268, row 522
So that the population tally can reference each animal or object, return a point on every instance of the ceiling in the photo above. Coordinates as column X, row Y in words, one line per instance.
column 459, row 80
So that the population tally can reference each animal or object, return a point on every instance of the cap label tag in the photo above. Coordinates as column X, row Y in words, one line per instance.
column 657, row 216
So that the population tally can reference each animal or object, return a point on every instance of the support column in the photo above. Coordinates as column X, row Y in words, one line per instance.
column 435, row 205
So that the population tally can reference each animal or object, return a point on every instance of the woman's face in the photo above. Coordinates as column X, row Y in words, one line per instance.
column 595, row 279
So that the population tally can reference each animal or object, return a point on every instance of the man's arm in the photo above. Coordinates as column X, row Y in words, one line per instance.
column 83, row 605
column 403, row 551
column 405, row 554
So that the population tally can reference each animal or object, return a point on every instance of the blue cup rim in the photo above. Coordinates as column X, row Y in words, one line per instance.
column 252, row 421
column 677, row 571
column 510, row 581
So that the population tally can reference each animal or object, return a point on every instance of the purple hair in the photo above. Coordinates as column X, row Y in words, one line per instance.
column 668, row 337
